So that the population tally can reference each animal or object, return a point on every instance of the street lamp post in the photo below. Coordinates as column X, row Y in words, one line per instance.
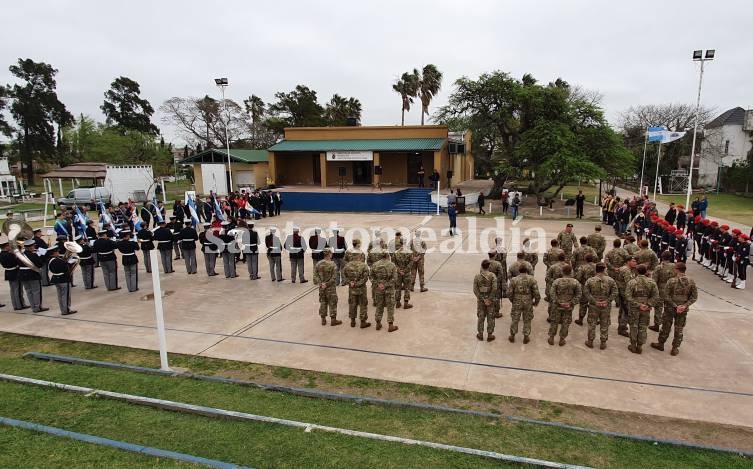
column 222, row 84
column 698, row 56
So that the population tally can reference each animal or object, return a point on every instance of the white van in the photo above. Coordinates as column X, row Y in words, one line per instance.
column 86, row 196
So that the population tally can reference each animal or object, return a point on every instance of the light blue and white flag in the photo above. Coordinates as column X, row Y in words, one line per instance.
column 192, row 211
column 668, row 136
column 654, row 134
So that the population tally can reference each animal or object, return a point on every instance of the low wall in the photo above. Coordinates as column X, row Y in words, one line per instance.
column 340, row 201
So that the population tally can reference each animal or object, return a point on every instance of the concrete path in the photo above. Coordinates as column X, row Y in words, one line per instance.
column 278, row 324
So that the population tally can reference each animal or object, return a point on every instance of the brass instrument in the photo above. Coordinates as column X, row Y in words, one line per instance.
column 15, row 229
column 72, row 250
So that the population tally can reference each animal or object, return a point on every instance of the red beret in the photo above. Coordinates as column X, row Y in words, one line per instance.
column 736, row 231
column 714, row 223
column 679, row 234
column 706, row 221
column 690, row 212
column 744, row 237
column 724, row 227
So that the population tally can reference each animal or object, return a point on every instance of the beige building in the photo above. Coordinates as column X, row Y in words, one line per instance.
column 210, row 169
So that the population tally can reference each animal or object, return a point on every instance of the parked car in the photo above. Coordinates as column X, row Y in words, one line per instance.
column 86, row 196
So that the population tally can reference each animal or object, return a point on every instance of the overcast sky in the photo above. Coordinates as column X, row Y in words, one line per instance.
column 636, row 52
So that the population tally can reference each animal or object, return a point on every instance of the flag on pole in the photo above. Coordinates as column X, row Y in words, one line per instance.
column 217, row 209
column 192, row 211
column 668, row 136
column 654, row 134
column 157, row 211
column 79, row 222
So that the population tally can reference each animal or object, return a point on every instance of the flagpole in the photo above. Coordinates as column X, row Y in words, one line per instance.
column 656, row 177
column 643, row 165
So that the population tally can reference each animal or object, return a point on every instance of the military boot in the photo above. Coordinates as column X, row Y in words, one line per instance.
column 497, row 315
column 551, row 340
column 511, row 338
column 391, row 328
column 407, row 305
column 603, row 345
column 397, row 304
column 335, row 322
column 590, row 343
column 579, row 321
column 639, row 349
column 365, row 324
column 352, row 322
column 379, row 325
column 562, row 341
column 623, row 332
column 424, row 289
column 324, row 321
column 630, row 347
column 480, row 336
column 654, row 328
column 674, row 351
column 490, row 337
column 658, row 346
column 526, row 339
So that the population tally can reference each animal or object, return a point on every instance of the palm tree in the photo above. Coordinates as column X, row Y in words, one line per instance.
column 339, row 109
column 429, row 84
column 255, row 108
column 407, row 88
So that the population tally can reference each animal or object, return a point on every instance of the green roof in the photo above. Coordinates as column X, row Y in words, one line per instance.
column 220, row 154
column 400, row 144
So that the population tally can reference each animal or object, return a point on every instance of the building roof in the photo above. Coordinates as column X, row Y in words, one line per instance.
column 734, row 116
column 79, row 170
column 400, row 144
column 237, row 156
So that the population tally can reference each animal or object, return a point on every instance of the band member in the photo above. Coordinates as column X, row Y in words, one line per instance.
column 209, row 249
column 164, row 238
column 105, row 249
column 42, row 244
column 146, row 239
column 86, row 262
column 188, row 237
column 175, row 228
column 128, row 248
column 228, row 251
column 296, row 247
column 9, row 261
column 742, row 259
column 317, row 244
column 338, row 245
column 252, row 252
column 90, row 234
column 30, row 279
column 274, row 254
column 61, row 278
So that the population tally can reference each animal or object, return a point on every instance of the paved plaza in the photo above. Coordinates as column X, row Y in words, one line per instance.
column 278, row 324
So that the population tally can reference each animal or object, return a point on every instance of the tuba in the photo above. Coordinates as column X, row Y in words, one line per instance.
column 72, row 250
column 15, row 229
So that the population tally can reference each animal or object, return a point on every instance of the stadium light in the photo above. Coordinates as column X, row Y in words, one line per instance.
column 698, row 56
column 222, row 83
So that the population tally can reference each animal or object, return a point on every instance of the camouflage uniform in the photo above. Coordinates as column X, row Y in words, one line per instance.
column 580, row 254
column 552, row 256
column 496, row 268
column 552, row 273
column 501, row 257
column 485, row 289
column 384, row 272
column 357, row 272
column 624, row 275
column 584, row 272
column 598, row 243
column 615, row 259
column 418, row 255
column 353, row 253
column 326, row 272
column 599, row 288
column 402, row 261
column 374, row 254
column 631, row 248
column 640, row 290
column 523, row 293
column 564, row 290
column 679, row 291
column 661, row 276
column 533, row 259
column 515, row 268
column 648, row 258
column 567, row 242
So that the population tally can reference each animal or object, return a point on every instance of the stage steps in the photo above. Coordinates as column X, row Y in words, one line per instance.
column 415, row 200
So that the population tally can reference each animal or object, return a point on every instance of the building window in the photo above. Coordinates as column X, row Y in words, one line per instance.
column 726, row 147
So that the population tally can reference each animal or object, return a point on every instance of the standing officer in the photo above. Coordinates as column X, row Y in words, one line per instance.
column 175, row 228
column 582, row 274
column 253, row 252
column 581, row 252
column 296, row 247
column 661, row 275
column 188, row 237
column 228, row 254
column 518, row 264
column 566, row 292
column 600, row 291
column 325, row 275
column 317, row 243
column 10, row 264
column 641, row 294
column 741, row 261
column 501, row 256
column 86, row 263
column 567, row 241
column 338, row 246
column 401, row 257
column 625, row 274
column 531, row 256
column 383, row 279
column 485, row 289
column 130, row 260
column 597, row 242
column 418, row 256
column 164, row 238
column 523, row 293
column 553, row 254
column 209, row 249
column 615, row 258
column 353, row 252
column 274, row 254
column 146, row 239
column 42, row 244
column 679, row 294
column 646, row 256
column 501, row 275
column 105, row 249
column 30, row 279
column 356, row 274
column 61, row 278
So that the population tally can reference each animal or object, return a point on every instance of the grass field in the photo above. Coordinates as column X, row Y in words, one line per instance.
column 267, row 445
column 727, row 206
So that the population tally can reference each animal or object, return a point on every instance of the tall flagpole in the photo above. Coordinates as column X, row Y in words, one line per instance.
column 643, row 165
column 695, row 133
column 656, row 177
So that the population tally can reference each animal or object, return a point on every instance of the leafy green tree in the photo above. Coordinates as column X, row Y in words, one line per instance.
column 407, row 87
column 255, row 108
column 339, row 109
column 202, row 121
column 37, row 111
column 126, row 109
column 429, row 84
column 5, row 128
column 297, row 108
column 261, row 137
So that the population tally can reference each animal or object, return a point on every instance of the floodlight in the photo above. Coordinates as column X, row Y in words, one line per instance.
column 710, row 54
column 697, row 54
column 220, row 81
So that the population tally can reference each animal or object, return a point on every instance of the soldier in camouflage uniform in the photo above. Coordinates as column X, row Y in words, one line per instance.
column 661, row 276
column 531, row 256
column 625, row 274
column 354, row 252
column 401, row 257
column 375, row 250
column 501, row 276
column 646, row 256
column 597, row 242
column 418, row 255
column 520, row 262
column 600, row 291
column 485, row 289
column 553, row 273
column 629, row 245
column 325, row 275
column 615, row 258
column 383, row 278
column 567, row 241
column 356, row 275
column 553, row 254
column 523, row 293
column 679, row 293
column 641, row 294
column 582, row 274
column 566, row 292
column 501, row 255
column 580, row 253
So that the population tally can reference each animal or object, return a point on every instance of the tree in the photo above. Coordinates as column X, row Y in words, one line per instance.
column 37, row 111
column 203, row 121
column 407, row 88
column 5, row 128
column 261, row 137
column 297, row 108
column 339, row 109
column 429, row 84
column 124, row 107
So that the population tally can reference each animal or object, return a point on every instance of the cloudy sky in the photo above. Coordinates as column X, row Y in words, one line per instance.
column 636, row 52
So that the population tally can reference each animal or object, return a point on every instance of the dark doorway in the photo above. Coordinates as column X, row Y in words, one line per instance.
column 362, row 172
column 415, row 160
column 317, row 169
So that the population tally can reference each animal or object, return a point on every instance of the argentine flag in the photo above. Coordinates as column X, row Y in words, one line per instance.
column 654, row 134
column 192, row 210
column 669, row 136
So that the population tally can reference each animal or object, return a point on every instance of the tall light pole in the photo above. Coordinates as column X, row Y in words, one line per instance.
column 698, row 56
column 222, row 84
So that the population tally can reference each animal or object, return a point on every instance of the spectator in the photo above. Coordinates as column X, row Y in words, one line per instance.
column 451, row 198
column 481, row 201
column 515, row 206
column 452, row 214
column 421, row 173
column 580, row 200
column 505, row 202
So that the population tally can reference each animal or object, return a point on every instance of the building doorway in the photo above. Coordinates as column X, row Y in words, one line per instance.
column 317, row 169
column 362, row 172
column 415, row 160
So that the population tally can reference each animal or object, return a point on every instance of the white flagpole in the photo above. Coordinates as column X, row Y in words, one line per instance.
column 656, row 177
column 643, row 165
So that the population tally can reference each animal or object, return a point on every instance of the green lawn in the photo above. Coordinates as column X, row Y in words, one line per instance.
column 727, row 206
column 268, row 445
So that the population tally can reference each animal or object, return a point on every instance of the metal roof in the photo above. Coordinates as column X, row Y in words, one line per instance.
column 401, row 144
column 237, row 156
column 79, row 170
column 734, row 116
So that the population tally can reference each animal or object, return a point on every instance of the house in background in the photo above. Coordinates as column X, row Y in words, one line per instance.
column 726, row 139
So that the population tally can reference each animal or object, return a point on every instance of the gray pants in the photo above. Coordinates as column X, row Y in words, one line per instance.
column 190, row 257
column 178, row 250
column 132, row 277
column 167, row 260
column 64, row 297
column 228, row 264
column 87, row 273
column 148, row 261
column 16, row 295
column 33, row 290
column 110, row 274
column 210, row 261
column 252, row 262
column 275, row 267
column 296, row 265
column 44, row 273
column 339, row 263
